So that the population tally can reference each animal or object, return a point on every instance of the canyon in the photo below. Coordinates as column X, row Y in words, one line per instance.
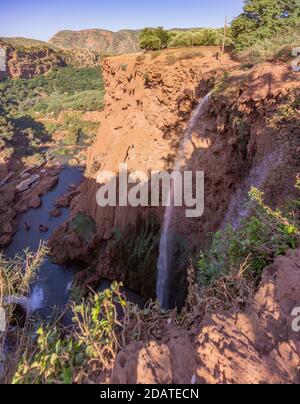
column 99, row 40
column 239, row 141
column 148, row 106
column 27, row 59
column 244, row 134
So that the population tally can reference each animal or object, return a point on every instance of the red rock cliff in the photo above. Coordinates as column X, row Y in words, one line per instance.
column 149, row 101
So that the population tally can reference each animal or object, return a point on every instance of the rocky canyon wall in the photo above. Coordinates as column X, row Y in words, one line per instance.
column 27, row 63
column 149, row 101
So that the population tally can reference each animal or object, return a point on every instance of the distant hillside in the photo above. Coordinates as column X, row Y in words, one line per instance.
column 124, row 41
column 26, row 43
column 27, row 57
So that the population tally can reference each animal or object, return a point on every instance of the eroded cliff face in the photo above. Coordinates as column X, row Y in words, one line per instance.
column 149, row 102
column 28, row 63
column 257, row 346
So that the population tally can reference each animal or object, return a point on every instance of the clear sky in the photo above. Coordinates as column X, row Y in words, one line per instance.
column 41, row 19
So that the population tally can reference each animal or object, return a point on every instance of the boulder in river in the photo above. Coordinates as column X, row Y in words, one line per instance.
column 25, row 185
column 55, row 212
column 43, row 228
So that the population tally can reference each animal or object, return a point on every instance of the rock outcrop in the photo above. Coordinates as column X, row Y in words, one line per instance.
column 27, row 63
column 258, row 346
column 99, row 40
column 15, row 201
column 25, row 59
column 149, row 101
column 147, row 108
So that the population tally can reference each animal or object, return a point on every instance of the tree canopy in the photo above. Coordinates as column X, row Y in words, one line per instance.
column 263, row 19
column 154, row 39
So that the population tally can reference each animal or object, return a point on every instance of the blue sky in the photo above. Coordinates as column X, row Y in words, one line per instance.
column 41, row 19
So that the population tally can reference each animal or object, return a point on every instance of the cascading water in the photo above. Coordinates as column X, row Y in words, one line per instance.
column 238, row 208
column 165, row 248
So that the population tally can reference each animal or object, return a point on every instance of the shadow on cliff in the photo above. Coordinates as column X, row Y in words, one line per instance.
column 28, row 140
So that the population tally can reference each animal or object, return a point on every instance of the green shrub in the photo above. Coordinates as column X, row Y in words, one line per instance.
column 15, row 281
column 261, row 238
column 154, row 39
column 269, row 49
column 84, row 226
column 202, row 37
column 71, row 137
column 61, row 89
column 264, row 19
column 78, row 357
column 136, row 252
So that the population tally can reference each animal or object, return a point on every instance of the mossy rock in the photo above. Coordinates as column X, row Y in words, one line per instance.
column 136, row 253
column 84, row 226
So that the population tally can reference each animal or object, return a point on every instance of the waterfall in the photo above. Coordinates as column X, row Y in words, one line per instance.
column 165, row 248
column 238, row 208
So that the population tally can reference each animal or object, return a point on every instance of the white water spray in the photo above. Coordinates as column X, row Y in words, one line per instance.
column 165, row 248
column 238, row 208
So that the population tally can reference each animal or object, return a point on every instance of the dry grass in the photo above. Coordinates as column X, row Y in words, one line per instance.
column 270, row 50
column 232, row 290
column 15, row 278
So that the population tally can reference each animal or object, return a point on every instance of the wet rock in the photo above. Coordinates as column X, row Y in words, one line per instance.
column 65, row 200
column 72, row 187
column 43, row 228
column 27, row 226
column 5, row 240
column 56, row 212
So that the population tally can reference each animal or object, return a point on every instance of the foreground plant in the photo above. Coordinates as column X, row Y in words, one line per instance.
column 16, row 275
column 230, row 271
column 78, row 355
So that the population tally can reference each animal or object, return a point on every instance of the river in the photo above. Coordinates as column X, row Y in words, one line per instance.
column 50, row 290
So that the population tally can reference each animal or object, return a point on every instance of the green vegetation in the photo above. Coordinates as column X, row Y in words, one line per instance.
column 74, row 128
column 261, row 238
column 157, row 39
column 15, row 280
column 80, row 356
column 49, row 353
column 104, row 323
column 271, row 49
column 266, row 30
column 154, row 39
column 89, row 100
column 61, row 89
column 136, row 252
column 286, row 115
column 264, row 19
column 84, row 226
column 24, row 105
column 203, row 37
